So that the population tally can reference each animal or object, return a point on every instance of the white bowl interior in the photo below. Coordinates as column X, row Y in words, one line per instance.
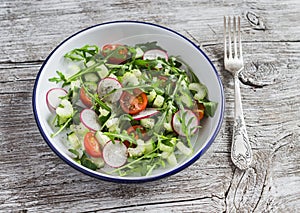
column 131, row 33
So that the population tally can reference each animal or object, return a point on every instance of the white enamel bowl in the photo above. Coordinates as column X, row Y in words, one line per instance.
column 131, row 33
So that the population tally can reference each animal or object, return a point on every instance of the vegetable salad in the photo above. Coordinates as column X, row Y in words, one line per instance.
column 127, row 110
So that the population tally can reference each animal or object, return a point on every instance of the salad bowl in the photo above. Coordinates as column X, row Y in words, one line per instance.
column 170, row 47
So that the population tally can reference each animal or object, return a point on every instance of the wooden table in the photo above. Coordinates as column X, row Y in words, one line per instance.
column 34, row 179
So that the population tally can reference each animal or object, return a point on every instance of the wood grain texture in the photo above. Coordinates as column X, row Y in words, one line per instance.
column 34, row 179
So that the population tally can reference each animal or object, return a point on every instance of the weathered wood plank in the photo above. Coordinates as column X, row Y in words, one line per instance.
column 215, row 165
column 34, row 179
column 30, row 30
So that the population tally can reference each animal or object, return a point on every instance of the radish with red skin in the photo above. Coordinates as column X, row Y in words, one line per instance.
column 148, row 112
column 115, row 154
column 53, row 97
column 89, row 118
column 107, row 85
column 190, row 122
column 154, row 54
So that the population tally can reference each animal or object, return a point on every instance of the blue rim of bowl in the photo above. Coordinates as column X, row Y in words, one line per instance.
column 122, row 179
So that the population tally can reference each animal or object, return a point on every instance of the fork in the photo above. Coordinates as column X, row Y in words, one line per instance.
column 241, row 153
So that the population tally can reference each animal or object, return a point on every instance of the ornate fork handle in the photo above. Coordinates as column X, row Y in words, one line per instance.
column 241, row 152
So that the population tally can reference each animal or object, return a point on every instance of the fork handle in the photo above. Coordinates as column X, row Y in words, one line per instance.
column 241, row 153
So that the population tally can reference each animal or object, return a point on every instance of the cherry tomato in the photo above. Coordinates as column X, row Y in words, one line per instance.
column 91, row 145
column 199, row 110
column 133, row 129
column 133, row 103
column 118, row 53
column 86, row 100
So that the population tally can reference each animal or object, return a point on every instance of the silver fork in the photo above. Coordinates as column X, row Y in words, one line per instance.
column 241, row 153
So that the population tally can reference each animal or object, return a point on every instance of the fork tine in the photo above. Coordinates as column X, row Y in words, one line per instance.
column 234, row 37
column 229, row 37
column 225, row 43
column 239, row 35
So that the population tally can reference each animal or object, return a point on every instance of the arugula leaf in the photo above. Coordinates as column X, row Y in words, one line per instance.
column 84, row 53
column 147, row 64
column 94, row 97
column 62, row 127
column 123, row 136
column 60, row 78
column 140, row 165
column 148, row 46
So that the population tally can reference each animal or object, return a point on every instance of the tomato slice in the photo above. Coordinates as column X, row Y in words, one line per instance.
column 133, row 129
column 199, row 110
column 119, row 53
column 85, row 99
column 133, row 103
column 91, row 145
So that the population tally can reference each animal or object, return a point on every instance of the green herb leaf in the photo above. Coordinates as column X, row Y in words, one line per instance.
column 210, row 108
column 123, row 136
column 87, row 162
column 84, row 53
column 148, row 46
column 60, row 78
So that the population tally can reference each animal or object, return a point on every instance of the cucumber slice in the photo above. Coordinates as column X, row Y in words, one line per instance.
column 93, row 77
column 102, row 71
column 200, row 89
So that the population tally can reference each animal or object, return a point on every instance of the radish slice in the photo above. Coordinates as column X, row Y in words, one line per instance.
column 115, row 154
column 185, row 119
column 154, row 54
column 145, row 114
column 53, row 97
column 107, row 85
column 89, row 118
